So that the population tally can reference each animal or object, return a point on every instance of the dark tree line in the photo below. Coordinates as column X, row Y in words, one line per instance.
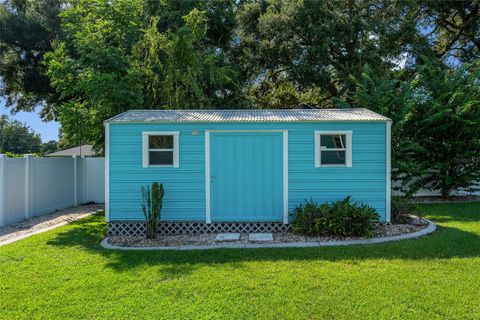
column 17, row 138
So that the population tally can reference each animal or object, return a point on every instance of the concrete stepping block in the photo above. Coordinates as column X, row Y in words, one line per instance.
column 260, row 237
column 227, row 237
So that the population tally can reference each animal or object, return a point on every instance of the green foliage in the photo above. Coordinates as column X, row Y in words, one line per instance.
column 341, row 218
column 21, row 155
column 391, row 97
column 118, row 58
column 17, row 137
column 305, row 216
column 26, row 31
column 49, row 147
column 444, row 123
column 407, row 60
column 152, row 203
column 436, row 117
column 402, row 208
column 348, row 219
column 91, row 68
column 177, row 68
column 455, row 28
column 315, row 45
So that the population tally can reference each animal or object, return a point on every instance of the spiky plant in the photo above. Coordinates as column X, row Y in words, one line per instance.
column 152, row 202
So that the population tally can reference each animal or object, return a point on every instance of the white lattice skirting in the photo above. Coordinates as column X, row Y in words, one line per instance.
column 137, row 229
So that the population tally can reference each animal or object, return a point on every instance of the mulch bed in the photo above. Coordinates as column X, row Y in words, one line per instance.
column 381, row 230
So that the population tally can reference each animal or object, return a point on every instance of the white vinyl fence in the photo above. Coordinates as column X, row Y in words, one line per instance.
column 34, row 186
column 433, row 193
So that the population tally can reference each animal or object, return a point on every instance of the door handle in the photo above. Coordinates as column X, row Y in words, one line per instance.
column 212, row 177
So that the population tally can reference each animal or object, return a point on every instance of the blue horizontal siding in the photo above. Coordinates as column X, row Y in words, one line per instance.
column 185, row 186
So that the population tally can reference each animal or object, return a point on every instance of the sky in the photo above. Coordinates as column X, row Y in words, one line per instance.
column 47, row 130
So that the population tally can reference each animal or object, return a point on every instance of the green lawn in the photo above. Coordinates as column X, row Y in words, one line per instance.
column 66, row 274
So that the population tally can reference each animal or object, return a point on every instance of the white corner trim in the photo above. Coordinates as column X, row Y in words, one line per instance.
column 348, row 153
column 176, row 148
column 388, row 184
column 207, row 177
column 285, row 177
column 107, row 172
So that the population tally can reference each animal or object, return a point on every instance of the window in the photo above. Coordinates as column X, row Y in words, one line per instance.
column 333, row 148
column 160, row 149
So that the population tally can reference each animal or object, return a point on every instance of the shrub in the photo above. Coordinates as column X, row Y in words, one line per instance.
column 152, row 202
column 341, row 218
column 401, row 209
column 304, row 217
column 348, row 219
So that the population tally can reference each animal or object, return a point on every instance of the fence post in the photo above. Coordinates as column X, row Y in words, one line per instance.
column 28, row 184
column 3, row 190
column 75, row 181
column 84, row 180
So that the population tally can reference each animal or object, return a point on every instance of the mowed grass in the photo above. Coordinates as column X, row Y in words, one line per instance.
column 66, row 274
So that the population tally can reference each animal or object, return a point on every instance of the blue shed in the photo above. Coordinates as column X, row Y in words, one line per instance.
column 227, row 170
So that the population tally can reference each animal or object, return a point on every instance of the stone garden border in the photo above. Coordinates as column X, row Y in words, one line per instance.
column 431, row 227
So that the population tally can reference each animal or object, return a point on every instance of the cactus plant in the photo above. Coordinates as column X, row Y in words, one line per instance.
column 152, row 202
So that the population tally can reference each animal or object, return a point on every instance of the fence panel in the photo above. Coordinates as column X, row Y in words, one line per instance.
column 52, row 181
column 34, row 186
column 14, row 189
column 94, row 179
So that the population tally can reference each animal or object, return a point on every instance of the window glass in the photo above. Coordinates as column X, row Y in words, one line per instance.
column 330, row 141
column 160, row 142
column 333, row 157
column 160, row 157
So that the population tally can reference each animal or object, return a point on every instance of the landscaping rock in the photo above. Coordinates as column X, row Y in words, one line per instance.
column 381, row 230
column 38, row 223
column 227, row 237
column 261, row 237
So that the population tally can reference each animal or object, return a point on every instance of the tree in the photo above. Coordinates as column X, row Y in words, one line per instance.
column 453, row 28
column 16, row 137
column 436, row 131
column 116, row 60
column 49, row 147
column 317, row 46
column 391, row 97
column 444, row 123
column 27, row 29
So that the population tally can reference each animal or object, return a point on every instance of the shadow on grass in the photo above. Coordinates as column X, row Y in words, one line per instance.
column 445, row 243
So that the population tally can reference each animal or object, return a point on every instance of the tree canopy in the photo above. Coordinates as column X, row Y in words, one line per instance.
column 87, row 60
column 17, row 137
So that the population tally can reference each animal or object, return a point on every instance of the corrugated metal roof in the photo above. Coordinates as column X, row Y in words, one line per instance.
column 249, row 115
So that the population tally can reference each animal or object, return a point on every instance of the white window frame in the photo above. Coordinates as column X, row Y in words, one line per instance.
column 146, row 150
column 347, row 149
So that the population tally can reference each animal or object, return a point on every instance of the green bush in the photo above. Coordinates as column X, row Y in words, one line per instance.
column 341, row 218
column 305, row 215
column 348, row 219
column 401, row 209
